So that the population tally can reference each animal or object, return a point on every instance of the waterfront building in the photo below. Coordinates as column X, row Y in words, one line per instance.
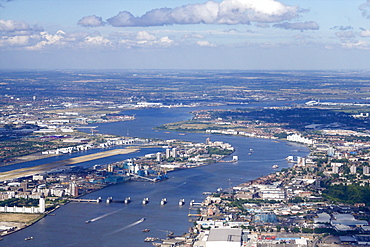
column 110, row 168
column 174, row 153
column 226, row 237
column 73, row 189
column 159, row 157
column 168, row 153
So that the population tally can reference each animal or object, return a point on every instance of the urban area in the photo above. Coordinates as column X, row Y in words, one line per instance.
column 322, row 199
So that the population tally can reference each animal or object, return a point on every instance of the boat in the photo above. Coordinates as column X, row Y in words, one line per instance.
column 29, row 238
column 142, row 219
column 127, row 200
column 181, row 202
column 150, row 239
column 275, row 166
column 146, row 230
column 145, row 201
column 88, row 221
column 163, row 201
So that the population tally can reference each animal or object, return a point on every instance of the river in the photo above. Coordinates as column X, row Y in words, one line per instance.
column 117, row 224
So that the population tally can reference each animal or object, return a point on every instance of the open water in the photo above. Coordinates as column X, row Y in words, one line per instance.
column 117, row 224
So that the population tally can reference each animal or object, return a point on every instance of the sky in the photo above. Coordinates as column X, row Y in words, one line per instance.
column 185, row 34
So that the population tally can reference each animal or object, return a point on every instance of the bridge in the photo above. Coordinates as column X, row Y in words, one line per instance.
column 83, row 200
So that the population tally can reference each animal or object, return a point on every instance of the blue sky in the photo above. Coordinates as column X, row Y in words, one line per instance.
column 180, row 34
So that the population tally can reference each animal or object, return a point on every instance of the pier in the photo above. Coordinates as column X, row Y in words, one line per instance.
column 144, row 178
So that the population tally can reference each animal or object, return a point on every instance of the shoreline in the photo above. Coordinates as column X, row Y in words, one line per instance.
column 130, row 147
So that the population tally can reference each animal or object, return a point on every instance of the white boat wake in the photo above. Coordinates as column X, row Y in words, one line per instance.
column 103, row 216
column 128, row 226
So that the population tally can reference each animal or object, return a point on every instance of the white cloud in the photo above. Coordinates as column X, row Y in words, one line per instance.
column 205, row 43
column 227, row 12
column 365, row 33
column 14, row 41
column 48, row 39
column 365, row 8
column 346, row 34
column 91, row 21
column 144, row 35
column 96, row 40
column 16, row 27
column 362, row 45
column 308, row 25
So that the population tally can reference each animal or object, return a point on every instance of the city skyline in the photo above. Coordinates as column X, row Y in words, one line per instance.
column 192, row 34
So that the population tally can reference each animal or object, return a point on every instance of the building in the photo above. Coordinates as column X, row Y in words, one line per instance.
column 159, row 156
column 174, row 152
column 26, row 210
column 366, row 170
column 224, row 237
column 168, row 153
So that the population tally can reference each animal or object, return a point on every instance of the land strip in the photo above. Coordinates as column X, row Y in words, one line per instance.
column 29, row 171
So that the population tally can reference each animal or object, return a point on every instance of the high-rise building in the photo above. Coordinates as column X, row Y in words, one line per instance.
column 42, row 204
column 73, row 189
column 159, row 156
column 168, row 153
column 174, row 152
column 110, row 168
column 366, row 170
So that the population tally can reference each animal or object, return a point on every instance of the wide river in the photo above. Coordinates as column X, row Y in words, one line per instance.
column 117, row 224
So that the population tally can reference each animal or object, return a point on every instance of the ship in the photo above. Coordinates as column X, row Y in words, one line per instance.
column 275, row 166
column 29, row 238
column 181, row 202
column 146, row 230
column 88, row 221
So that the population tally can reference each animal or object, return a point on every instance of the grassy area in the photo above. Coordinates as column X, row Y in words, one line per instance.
column 20, row 218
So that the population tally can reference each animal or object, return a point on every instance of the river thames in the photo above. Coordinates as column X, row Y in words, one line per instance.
column 117, row 224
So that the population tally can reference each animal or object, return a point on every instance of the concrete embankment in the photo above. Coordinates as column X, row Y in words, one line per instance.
column 29, row 171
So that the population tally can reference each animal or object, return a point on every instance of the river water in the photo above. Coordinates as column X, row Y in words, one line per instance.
column 117, row 224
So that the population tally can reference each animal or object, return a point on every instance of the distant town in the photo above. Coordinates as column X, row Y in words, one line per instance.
column 322, row 199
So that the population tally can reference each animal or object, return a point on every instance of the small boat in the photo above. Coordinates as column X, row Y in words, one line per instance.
column 146, row 230
column 29, row 238
column 88, row 221
column 127, row 200
column 145, row 201
column 275, row 166
column 181, row 202
column 142, row 219
column 163, row 201
column 150, row 239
